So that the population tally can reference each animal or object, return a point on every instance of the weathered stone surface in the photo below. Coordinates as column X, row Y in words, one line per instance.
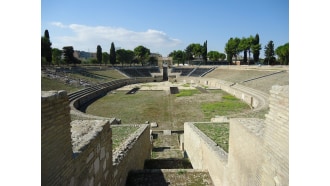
column 153, row 125
column 83, row 131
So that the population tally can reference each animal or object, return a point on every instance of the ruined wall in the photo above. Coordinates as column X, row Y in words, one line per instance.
column 258, row 149
column 204, row 153
column 92, row 148
column 132, row 154
column 276, row 146
column 245, row 151
column 81, row 157
column 56, row 147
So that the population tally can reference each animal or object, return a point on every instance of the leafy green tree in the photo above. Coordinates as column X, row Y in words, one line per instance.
column 213, row 55
column 204, row 52
column 112, row 56
column 142, row 53
column 283, row 53
column 46, row 47
column 105, row 57
column 269, row 53
column 68, row 56
column 222, row 56
column 56, row 56
column 232, row 49
column 125, row 56
column 188, row 53
column 256, row 47
column 99, row 54
column 153, row 60
column 178, row 55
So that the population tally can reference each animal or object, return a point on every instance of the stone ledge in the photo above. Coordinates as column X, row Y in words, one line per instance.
column 253, row 125
column 83, row 131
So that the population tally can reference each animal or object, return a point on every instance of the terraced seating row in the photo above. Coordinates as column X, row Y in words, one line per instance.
column 139, row 72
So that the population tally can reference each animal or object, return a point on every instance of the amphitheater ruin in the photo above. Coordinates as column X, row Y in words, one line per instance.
column 78, row 149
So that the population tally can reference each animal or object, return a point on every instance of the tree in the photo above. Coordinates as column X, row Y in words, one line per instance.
column 178, row 55
column 222, row 56
column 46, row 49
column 232, row 49
column 256, row 47
column 105, row 57
column 283, row 53
column 153, row 60
column 112, row 56
column 213, row 55
column 269, row 53
column 142, row 53
column 204, row 52
column 68, row 55
column 125, row 56
column 56, row 56
column 99, row 54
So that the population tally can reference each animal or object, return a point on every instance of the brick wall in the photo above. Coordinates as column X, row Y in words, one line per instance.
column 276, row 137
column 56, row 147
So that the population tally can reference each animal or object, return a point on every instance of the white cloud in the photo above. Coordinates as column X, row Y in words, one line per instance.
column 88, row 37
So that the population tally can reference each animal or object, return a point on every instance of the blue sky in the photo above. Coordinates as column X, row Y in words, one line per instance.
column 163, row 26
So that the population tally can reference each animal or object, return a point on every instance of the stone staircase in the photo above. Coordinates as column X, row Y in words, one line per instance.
column 168, row 164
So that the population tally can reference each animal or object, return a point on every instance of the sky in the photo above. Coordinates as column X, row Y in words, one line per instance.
column 163, row 26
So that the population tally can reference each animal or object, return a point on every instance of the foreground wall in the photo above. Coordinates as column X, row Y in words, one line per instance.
column 56, row 147
column 132, row 154
column 204, row 153
column 258, row 149
column 80, row 152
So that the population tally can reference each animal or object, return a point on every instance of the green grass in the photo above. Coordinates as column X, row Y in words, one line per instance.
column 228, row 105
column 187, row 93
column 120, row 134
column 49, row 84
column 218, row 132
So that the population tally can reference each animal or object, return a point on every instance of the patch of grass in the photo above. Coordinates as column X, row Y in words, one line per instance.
column 228, row 105
column 120, row 134
column 218, row 132
column 49, row 84
column 181, row 171
column 187, row 93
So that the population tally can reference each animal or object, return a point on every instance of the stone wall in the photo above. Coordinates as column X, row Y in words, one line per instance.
column 56, row 147
column 276, row 139
column 204, row 153
column 92, row 152
column 132, row 154
column 245, row 151
column 258, row 149
column 80, row 152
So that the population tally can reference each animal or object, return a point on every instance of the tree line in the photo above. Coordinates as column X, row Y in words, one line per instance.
column 141, row 55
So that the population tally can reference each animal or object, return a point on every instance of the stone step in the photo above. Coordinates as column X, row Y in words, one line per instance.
column 167, row 177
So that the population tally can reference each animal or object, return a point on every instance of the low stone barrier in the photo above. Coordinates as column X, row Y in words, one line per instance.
column 132, row 154
column 258, row 149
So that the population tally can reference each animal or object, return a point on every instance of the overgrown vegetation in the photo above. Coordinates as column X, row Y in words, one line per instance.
column 120, row 134
column 228, row 105
column 218, row 132
column 48, row 84
column 187, row 93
